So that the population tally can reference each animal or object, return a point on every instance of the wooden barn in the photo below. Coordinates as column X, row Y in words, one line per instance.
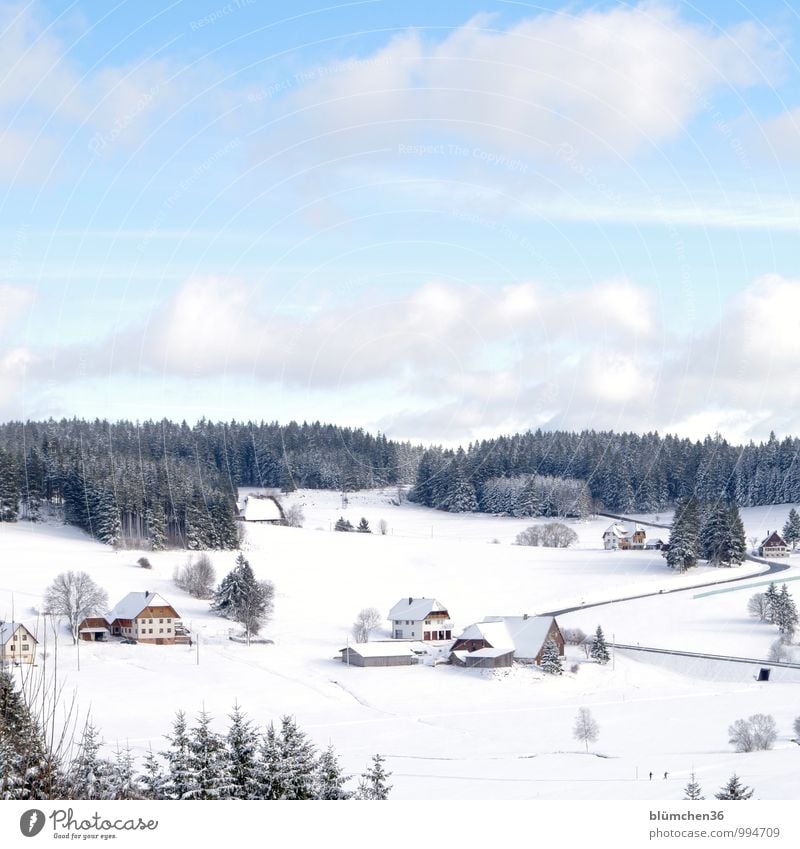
column 523, row 636
column 378, row 654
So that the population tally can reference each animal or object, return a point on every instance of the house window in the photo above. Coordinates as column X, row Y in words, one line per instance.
column 15, row 638
column 25, row 648
column 169, row 630
column 160, row 621
column 13, row 648
column 160, row 630
column 24, row 638
column 169, row 621
column 151, row 630
column 150, row 621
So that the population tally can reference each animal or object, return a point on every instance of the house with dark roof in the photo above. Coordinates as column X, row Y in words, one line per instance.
column 504, row 639
column 774, row 546
column 423, row 619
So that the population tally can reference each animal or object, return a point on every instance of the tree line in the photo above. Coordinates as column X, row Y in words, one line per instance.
column 200, row 763
column 169, row 484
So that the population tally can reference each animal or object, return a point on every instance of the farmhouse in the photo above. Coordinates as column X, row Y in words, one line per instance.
column 774, row 546
column 420, row 619
column 503, row 638
column 378, row 654
column 264, row 509
column 624, row 536
column 17, row 644
column 142, row 616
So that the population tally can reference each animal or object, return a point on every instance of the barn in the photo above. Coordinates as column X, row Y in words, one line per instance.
column 483, row 658
column 523, row 636
column 379, row 654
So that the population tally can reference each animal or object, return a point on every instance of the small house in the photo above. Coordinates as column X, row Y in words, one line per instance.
column 624, row 536
column 94, row 629
column 774, row 546
column 655, row 544
column 263, row 509
column 423, row 619
column 523, row 636
column 142, row 616
column 378, row 654
column 17, row 644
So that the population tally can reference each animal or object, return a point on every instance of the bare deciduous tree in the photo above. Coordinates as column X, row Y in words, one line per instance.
column 366, row 622
column 758, row 606
column 74, row 595
column 530, row 536
column 383, row 527
column 586, row 729
column 754, row 734
column 197, row 577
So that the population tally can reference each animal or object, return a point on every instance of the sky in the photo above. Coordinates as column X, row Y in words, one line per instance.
column 442, row 221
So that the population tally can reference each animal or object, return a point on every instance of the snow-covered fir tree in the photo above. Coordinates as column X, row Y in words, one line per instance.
column 693, row 790
column 123, row 781
column 330, row 780
column 243, row 599
column 771, row 596
column 90, row 775
column 684, row 543
column 297, row 762
column 363, row 526
column 599, row 649
column 268, row 767
column 374, row 784
column 784, row 614
column 207, row 762
column 242, row 744
column 734, row 789
column 178, row 781
column 791, row 530
column 551, row 659
column 151, row 780
column 9, row 488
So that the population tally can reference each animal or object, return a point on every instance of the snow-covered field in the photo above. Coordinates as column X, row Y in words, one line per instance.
column 446, row 732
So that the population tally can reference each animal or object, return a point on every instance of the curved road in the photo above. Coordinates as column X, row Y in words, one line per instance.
column 773, row 569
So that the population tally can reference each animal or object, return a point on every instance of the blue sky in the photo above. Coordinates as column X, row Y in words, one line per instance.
column 443, row 221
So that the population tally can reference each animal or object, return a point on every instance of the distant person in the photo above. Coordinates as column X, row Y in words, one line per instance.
column 651, row 776
column 665, row 776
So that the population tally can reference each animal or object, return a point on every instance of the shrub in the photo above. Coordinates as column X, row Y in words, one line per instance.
column 144, row 563
column 197, row 577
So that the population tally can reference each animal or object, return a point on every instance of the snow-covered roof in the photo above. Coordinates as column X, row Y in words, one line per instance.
column 524, row 636
column 7, row 630
column 257, row 509
column 389, row 649
column 624, row 529
column 616, row 530
column 774, row 539
column 134, row 603
column 416, row 609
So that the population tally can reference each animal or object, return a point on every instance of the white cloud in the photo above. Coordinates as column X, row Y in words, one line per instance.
column 782, row 134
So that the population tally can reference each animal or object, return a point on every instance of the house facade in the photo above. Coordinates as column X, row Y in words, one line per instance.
column 624, row 536
column 17, row 644
column 423, row 619
column 521, row 636
column 774, row 546
column 142, row 616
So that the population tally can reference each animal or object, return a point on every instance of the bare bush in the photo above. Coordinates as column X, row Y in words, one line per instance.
column 754, row 734
column 366, row 622
column 779, row 652
column 558, row 535
column 530, row 536
column 295, row 516
column 197, row 577
column 383, row 527
column 573, row 636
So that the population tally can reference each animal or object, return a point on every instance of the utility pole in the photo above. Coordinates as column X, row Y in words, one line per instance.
column 613, row 651
column 198, row 649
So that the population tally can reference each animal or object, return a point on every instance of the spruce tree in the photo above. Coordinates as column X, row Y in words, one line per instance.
column 151, row 779
column 330, row 779
column 736, row 541
column 9, row 488
column 123, row 782
column 242, row 746
column 342, row 524
column 734, row 789
column 241, row 598
column 363, row 526
column 791, row 530
column 178, row 781
column 551, row 659
column 90, row 774
column 693, row 790
column 297, row 762
column 599, row 650
column 374, row 782
column 684, row 541
column 208, row 768
column 771, row 596
column 785, row 614
column 268, row 766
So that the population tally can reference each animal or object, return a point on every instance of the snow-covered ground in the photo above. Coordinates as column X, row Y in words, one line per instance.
column 447, row 732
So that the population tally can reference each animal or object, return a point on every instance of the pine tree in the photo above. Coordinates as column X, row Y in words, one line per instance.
column 374, row 782
column 599, row 650
column 734, row 789
column 363, row 526
column 297, row 762
column 551, row 659
column 90, row 775
column 736, row 541
column 123, row 783
column 330, row 779
column 785, row 614
column 772, row 603
column 268, row 767
column 684, row 544
column 791, row 530
column 242, row 746
column 151, row 779
column 343, row 525
column 178, row 781
column 208, row 769
column 693, row 789
column 242, row 599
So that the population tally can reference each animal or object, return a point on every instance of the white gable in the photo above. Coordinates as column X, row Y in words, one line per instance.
column 524, row 636
column 134, row 603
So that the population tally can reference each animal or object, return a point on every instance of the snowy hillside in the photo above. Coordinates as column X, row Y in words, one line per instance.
column 446, row 732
